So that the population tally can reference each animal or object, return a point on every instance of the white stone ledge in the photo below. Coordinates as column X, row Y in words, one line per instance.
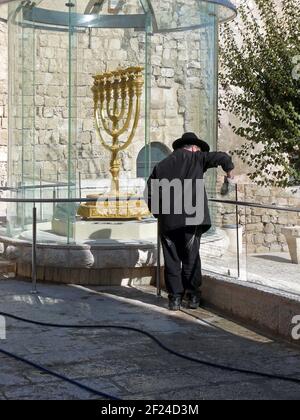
column 49, row 255
column 265, row 309
column 104, row 254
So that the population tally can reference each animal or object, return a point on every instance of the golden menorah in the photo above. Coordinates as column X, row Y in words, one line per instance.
column 114, row 94
column 117, row 106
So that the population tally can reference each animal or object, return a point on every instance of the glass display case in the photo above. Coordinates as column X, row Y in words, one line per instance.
column 98, row 92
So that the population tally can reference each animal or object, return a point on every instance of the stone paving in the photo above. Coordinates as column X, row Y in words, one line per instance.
column 274, row 270
column 129, row 365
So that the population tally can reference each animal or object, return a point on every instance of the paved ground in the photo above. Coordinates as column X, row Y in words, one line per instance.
column 127, row 364
column 273, row 270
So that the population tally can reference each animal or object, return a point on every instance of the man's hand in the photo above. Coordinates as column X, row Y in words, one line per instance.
column 229, row 184
column 230, row 175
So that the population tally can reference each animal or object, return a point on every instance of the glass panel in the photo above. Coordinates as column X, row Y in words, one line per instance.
column 273, row 242
column 22, row 135
column 102, row 7
column 101, row 51
column 72, row 122
column 173, row 15
column 268, row 239
column 224, row 249
column 147, row 170
column 185, row 88
column 115, row 7
column 158, row 152
column 59, row 147
column 43, row 117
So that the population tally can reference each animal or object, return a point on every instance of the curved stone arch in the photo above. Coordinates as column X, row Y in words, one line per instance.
column 158, row 152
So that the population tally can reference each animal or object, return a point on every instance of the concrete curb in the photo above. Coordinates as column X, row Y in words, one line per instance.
column 268, row 310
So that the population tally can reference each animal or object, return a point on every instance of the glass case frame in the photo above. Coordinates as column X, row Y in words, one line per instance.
column 73, row 21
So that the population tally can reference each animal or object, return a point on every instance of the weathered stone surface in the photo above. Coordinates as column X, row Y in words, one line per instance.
column 263, row 227
column 51, row 255
column 125, row 254
column 269, row 309
column 144, row 374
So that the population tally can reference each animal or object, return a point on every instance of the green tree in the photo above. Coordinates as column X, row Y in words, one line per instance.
column 260, row 77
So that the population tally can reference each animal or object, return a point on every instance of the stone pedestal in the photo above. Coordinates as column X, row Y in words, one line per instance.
column 235, row 236
column 292, row 235
column 114, row 230
column 109, row 207
column 112, row 256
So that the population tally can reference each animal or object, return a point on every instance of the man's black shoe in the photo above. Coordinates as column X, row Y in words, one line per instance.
column 175, row 303
column 193, row 301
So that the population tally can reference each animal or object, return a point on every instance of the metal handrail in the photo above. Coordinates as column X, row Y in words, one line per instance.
column 92, row 200
column 38, row 187
column 255, row 205
column 65, row 200
column 34, row 201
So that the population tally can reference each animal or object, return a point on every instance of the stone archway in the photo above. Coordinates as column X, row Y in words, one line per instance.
column 158, row 152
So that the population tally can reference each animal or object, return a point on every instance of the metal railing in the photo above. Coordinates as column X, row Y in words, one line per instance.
column 35, row 201
column 255, row 205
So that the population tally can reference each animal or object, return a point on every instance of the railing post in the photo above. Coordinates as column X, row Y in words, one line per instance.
column 34, row 243
column 41, row 197
column 54, row 203
column 57, row 182
column 158, row 267
column 237, row 232
column 80, row 185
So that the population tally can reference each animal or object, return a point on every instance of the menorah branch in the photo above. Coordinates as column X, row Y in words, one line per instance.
column 117, row 105
column 116, row 88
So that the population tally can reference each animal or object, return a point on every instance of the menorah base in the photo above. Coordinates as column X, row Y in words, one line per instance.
column 114, row 208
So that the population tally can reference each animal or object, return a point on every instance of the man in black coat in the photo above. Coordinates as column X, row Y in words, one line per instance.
column 177, row 198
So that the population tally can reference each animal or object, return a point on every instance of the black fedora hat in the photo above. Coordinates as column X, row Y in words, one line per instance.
column 193, row 140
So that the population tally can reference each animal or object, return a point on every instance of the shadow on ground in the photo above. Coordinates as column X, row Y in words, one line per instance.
column 274, row 258
column 127, row 364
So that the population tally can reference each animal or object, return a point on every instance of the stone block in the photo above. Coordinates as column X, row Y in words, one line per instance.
column 269, row 238
column 255, row 227
column 259, row 239
column 167, row 72
column 50, row 255
column 292, row 235
column 266, row 219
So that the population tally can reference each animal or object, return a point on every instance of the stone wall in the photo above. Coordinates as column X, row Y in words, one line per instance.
column 179, row 76
column 262, row 227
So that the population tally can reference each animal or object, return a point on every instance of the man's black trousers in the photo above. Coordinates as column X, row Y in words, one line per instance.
column 181, row 249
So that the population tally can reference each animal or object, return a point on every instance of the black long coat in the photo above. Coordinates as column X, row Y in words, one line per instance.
column 184, row 164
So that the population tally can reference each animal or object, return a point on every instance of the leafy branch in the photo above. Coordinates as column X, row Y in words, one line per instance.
column 260, row 78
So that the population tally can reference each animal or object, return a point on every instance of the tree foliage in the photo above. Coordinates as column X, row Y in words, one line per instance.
column 260, row 77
